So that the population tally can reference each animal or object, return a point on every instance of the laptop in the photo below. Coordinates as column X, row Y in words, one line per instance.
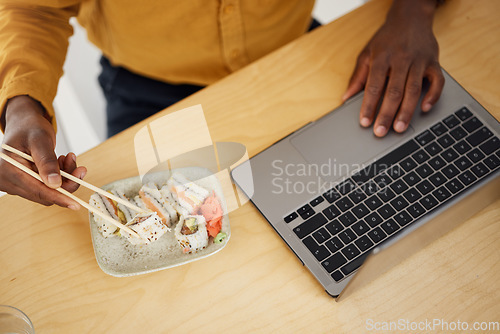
column 351, row 206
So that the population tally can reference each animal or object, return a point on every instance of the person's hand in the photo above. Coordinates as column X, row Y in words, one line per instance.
column 402, row 53
column 27, row 130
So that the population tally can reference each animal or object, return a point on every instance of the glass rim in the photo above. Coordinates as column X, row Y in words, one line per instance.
column 23, row 315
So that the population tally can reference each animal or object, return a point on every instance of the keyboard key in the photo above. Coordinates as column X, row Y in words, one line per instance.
column 420, row 157
column 331, row 212
column 395, row 172
column 377, row 235
column 433, row 148
column 360, row 210
column 462, row 147
column 334, row 244
column 306, row 211
column 437, row 163
column 390, row 226
column 350, row 251
column 450, row 171
column 317, row 201
column 439, row 129
column 386, row 194
column 363, row 243
column 472, row 124
column 425, row 138
column 310, row 225
column 373, row 202
column 458, row 133
column 337, row 276
column 441, row 194
column 480, row 169
column 291, row 217
column 360, row 228
column 347, row 236
column 451, row 121
column 454, row 185
column 334, row 227
column 346, row 187
column 373, row 219
column 437, row 179
column 492, row 161
column 429, row 202
column 334, row 262
column 490, row 146
column 370, row 188
column 412, row 195
column 408, row 164
column 449, row 155
column 319, row 252
column 353, row 265
column 331, row 195
column 395, row 156
column 463, row 163
column 425, row 187
column 357, row 196
column 411, row 178
column 382, row 180
column 386, row 211
column 344, row 204
column 479, row 136
column 415, row 210
column 475, row 155
column 399, row 186
column 446, row 141
column 321, row 235
column 463, row 113
column 347, row 219
column 467, row 177
column 399, row 203
column 424, row 170
column 403, row 218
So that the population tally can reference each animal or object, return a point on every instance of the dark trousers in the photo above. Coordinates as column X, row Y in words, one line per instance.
column 130, row 97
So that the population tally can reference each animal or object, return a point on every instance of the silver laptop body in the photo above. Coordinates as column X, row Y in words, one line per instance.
column 292, row 180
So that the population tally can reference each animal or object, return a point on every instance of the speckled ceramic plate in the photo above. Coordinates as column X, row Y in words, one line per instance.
column 117, row 257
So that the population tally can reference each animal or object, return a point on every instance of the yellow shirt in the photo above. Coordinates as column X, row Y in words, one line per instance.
column 178, row 41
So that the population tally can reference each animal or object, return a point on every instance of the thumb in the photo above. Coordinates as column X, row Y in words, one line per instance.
column 42, row 151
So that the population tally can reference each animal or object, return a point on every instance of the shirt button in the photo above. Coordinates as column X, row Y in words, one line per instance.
column 228, row 9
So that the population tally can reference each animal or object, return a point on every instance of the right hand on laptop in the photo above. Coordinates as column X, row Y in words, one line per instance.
column 402, row 52
column 28, row 130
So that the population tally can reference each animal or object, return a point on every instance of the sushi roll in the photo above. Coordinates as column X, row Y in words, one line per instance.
column 154, row 201
column 126, row 213
column 107, row 207
column 187, row 195
column 148, row 226
column 191, row 233
column 176, row 207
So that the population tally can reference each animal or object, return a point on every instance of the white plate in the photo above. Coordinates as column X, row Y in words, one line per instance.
column 118, row 257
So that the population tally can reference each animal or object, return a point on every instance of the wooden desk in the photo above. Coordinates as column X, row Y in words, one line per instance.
column 48, row 268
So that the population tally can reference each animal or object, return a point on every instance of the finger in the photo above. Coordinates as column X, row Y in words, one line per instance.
column 413, row 89
column 69, row 163
column 42, row 151
column 436, row 79
column 71, row 186
column 373, row 91
column 60, row 160
column 358, row 78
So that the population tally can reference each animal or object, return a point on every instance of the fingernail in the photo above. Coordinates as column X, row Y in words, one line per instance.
column 82, row 175
column 427, row 106
column 54, row 179
column 73, row 207
column 345, row 97
column 365, row 121
column 73, row 156
column 380, row 130
column 400, row 126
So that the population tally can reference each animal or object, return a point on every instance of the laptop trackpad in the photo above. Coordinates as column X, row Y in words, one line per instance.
column 338, row 145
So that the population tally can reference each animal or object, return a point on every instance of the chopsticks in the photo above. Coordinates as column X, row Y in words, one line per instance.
column 80, row 182
column 64, row 191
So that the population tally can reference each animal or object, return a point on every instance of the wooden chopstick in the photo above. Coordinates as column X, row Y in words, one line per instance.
column 70, row 195
column 80, row 182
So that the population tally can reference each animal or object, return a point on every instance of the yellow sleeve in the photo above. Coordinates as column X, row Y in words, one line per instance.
column 33, row 45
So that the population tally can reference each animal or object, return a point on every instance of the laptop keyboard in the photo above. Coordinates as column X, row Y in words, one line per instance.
column 395, row 191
